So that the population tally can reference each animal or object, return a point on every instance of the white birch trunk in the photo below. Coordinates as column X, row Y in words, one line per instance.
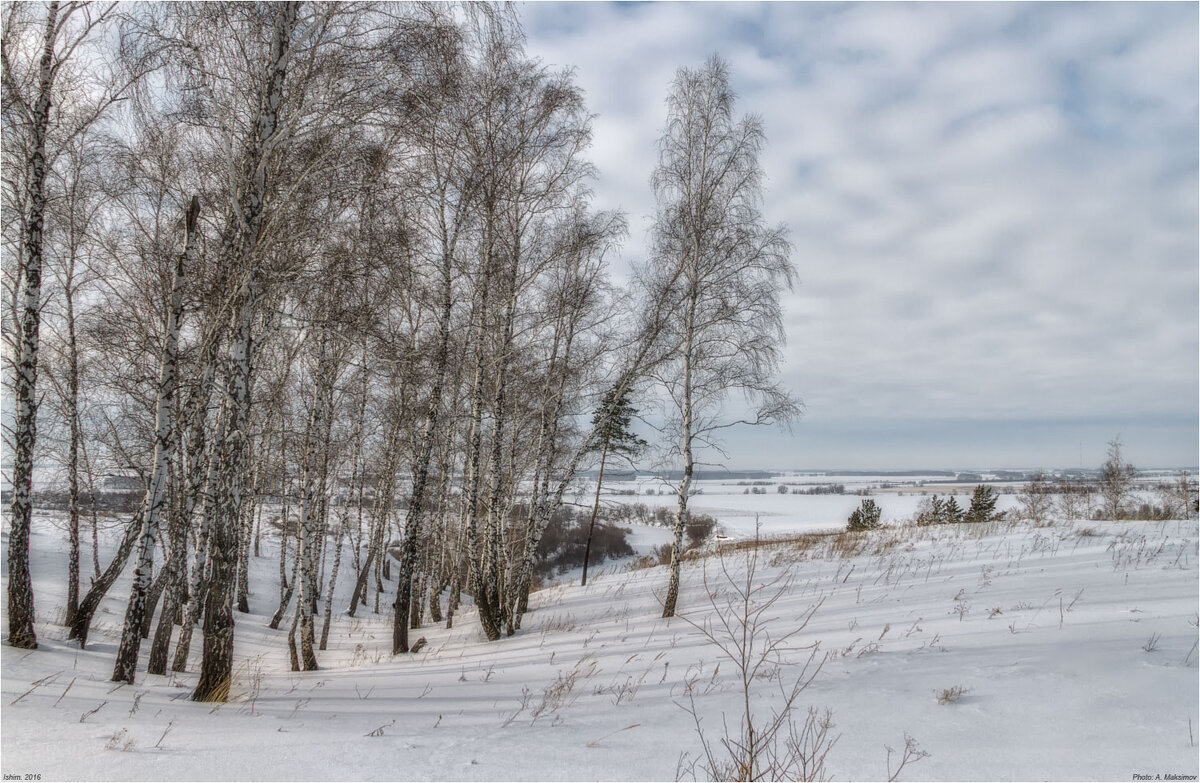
column 20, row 586
column 164, row 448
column 216, row 670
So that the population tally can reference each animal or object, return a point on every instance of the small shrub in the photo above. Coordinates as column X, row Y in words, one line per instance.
column 865, row 517
column 663, row 553
column 950, row 695
column 699, row 528
column 1037, row 499
column 763, row 743
column 643, row 562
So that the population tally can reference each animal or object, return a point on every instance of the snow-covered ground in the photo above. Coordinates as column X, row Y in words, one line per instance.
column 738, row 509
column 1075, row 646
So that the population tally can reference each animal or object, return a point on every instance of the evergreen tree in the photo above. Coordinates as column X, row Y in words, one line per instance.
column 865, row 517
column 611, row 423
column 952, row 513
column 932, row 512
column 983, row 505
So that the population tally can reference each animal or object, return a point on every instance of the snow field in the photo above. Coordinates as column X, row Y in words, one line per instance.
column 1088, row 671
column 778, row 513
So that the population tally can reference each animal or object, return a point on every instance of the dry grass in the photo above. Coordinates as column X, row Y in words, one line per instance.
column 951, row 695
column 643, row 562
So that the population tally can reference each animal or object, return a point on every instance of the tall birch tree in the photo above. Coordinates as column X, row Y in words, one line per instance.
column 165, row 437
column 49, row 99
column 725, row 268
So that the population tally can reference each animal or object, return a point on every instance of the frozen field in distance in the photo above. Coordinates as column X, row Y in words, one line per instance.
column 785, row 514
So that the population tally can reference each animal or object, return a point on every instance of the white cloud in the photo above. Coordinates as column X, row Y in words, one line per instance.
column 994, row 206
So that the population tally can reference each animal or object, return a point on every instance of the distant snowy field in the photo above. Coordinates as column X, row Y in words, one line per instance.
column 738, row 508
column 1076, row 645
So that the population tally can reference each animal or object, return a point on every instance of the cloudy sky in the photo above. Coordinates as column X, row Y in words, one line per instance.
column 993, row 208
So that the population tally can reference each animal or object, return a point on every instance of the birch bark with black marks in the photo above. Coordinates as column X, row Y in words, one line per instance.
column 201, row 454
column 478, row 578
column 420, row 468
column 285, row 598
column 216, row 668
column 313, row 460
column 20, row 585
column 184, row 597
column 175, row 571
column 245, row 532
column 164, row 448
column 687, row 434
column 74, row 436
column 82, row 623
column 379, row 512
column 333, row 575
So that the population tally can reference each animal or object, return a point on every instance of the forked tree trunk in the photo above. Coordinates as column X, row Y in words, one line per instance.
column 337, row 562
column 285, row 600
column 91, row 600
column 171, row 614
column 489, row 601
column 310, row 504
column 199, row 468
column 547, row 444
column 420, row 469
column 216, row 668
column 198, row 586
column 478, row 579
column 164, row 448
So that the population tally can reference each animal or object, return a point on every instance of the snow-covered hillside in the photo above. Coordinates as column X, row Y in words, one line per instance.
column 1074, row 645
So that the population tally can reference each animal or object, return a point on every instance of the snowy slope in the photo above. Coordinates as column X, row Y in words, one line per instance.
column 1063, row 682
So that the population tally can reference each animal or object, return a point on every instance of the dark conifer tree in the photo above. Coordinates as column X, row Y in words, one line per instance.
column 611, row 424
column 983, row 505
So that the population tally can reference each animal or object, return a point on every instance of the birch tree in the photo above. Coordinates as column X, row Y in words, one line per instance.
column 532, row 134
column 164, row 447
column 724, row 267
column 444, row 183
column 1116, row 480
column 40, row 65
column 70, row 235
